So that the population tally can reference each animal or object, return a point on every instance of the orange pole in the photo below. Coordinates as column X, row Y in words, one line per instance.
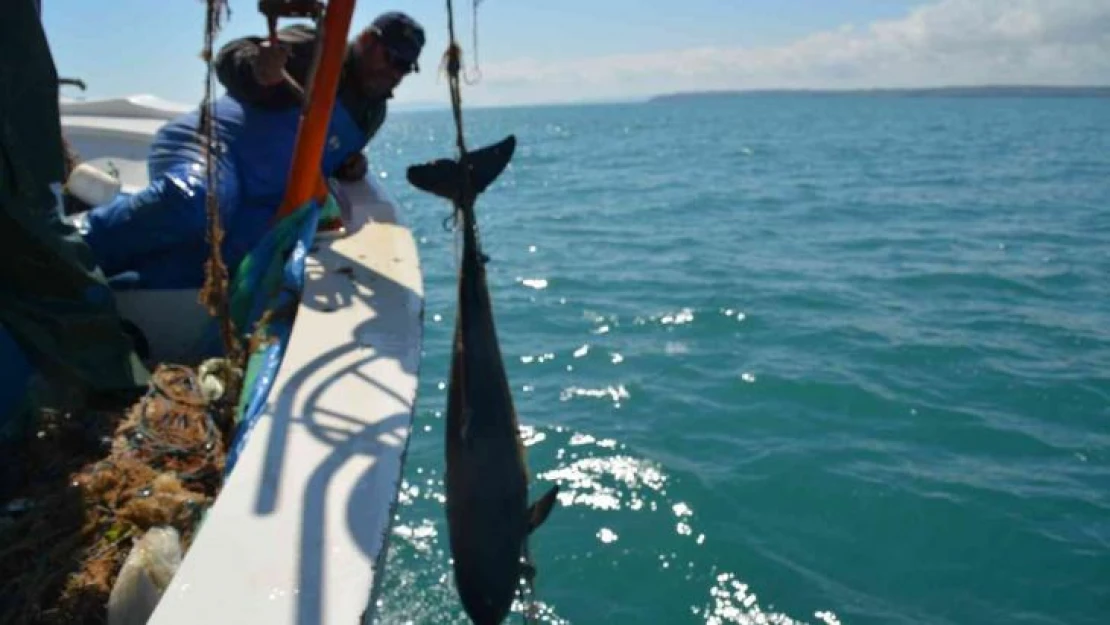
column 306, row 181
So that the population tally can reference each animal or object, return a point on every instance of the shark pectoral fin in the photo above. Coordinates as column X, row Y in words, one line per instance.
column 537, row 514
column 442, row 177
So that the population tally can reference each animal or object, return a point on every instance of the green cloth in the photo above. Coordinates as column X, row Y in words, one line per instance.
column 259, row 280
column 54, row 300
column 259, row 274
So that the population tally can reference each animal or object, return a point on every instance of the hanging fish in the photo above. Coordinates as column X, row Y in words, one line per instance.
column 488, row 516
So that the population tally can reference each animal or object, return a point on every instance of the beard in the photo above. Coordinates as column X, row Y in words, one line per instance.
column 377, row 87
column 373, row 85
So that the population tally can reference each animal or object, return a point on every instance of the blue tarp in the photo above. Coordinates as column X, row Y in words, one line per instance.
column 271, row 278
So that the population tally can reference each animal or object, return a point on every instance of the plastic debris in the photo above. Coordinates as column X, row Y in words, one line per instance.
column 146, row 573
column 216, row 375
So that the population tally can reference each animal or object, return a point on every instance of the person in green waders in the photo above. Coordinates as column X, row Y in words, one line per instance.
column 58, row 320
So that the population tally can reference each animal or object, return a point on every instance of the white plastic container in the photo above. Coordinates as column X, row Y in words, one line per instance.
column 91, row 185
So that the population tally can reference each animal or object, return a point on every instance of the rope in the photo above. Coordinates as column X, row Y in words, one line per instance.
column 214, row 293
column 174, row 428
column 453, row 62
column 474, row 35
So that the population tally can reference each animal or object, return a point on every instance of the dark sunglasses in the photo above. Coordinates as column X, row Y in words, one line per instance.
column 398, row 63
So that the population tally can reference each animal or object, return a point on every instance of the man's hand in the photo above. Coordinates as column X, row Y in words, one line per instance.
column 352, row 168
column 269, row 65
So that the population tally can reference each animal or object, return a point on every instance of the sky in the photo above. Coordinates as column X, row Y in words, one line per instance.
column 540, row 51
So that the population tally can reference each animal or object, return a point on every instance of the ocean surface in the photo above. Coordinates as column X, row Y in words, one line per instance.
column 791, row 359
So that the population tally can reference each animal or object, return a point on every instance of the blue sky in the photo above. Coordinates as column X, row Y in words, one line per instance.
column 574, row 50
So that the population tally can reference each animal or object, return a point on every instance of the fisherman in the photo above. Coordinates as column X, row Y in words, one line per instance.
column 160, row 232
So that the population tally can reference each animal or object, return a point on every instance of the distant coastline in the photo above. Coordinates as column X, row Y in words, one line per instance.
column 1017, row 91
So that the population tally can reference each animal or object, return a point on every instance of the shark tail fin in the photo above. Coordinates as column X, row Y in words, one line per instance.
column 537, row 514
column 443, row 178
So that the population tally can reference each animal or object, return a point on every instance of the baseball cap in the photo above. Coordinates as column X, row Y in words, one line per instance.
column 401, row 35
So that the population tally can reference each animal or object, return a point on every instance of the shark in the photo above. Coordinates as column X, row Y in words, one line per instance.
column 489, row 517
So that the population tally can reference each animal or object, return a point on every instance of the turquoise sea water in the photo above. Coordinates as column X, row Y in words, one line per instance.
column 792, row 359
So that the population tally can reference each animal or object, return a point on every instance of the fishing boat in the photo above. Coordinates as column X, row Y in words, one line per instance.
column 298, row 532
column 299, row 528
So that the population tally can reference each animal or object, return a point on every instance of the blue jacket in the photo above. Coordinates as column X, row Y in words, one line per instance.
column 160, row 232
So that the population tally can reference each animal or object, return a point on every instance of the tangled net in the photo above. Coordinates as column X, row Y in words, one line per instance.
column 99, row 483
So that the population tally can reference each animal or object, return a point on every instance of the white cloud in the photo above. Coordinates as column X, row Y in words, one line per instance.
column 943, row 43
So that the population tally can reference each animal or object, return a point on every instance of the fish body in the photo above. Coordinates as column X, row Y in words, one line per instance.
column 488, row 515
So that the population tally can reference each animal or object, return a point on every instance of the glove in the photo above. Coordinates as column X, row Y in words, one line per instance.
column 269, row 65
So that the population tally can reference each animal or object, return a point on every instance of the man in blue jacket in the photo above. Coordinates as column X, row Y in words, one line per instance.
column 159, row 232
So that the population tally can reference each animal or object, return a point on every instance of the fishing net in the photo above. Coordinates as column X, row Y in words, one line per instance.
column 96, row 483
